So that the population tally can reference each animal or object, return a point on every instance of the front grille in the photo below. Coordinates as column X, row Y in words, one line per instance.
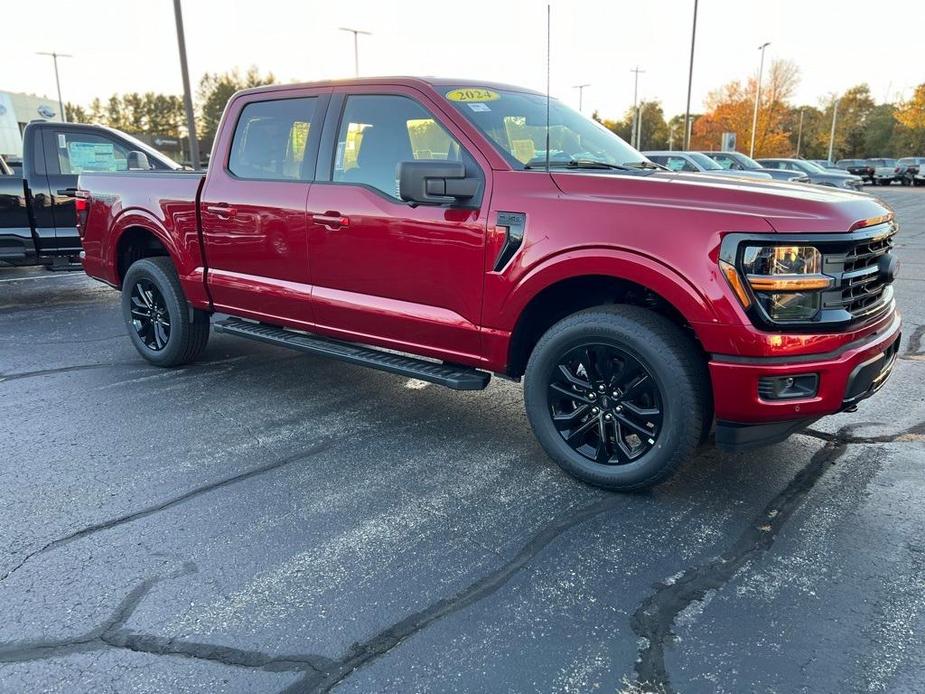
column 861, row 289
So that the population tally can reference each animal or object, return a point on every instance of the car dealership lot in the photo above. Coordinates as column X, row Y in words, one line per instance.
column 263, row 520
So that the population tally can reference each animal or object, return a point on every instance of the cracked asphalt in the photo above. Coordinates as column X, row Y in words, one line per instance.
column 267, row 521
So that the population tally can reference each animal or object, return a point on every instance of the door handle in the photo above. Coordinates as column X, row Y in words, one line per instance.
column 222, row 210
column 331, row 220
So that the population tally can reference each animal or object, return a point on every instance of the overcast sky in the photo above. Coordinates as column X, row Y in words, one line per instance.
column 130, row 45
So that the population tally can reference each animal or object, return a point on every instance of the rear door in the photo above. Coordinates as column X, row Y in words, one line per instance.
column 252, row 206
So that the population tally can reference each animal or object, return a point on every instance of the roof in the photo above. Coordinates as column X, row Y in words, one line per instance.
column 435, row 83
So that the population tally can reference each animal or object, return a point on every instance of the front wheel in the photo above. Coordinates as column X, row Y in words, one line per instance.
column 163, row 328
column 618, row 396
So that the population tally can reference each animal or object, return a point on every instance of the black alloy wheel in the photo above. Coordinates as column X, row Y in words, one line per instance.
column 161, row 324
column 618, row 396
column 605, row 404
column 150, row 317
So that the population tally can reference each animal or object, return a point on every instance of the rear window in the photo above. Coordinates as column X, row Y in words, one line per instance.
column 270, row 140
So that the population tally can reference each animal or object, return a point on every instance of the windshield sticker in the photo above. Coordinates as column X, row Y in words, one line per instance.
column 472, row 94
column 478, row 106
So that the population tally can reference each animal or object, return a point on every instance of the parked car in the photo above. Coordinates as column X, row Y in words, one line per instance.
column 857, row 167
column 816, row 174
column 351, row 219
column 884, row 171
column 825, row 164
column 915, row 169
column 695, row 162
column 905, row 172
column 38, row 223
column 736, row 161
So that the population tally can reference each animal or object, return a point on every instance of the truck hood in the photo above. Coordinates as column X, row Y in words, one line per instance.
column 786, row 207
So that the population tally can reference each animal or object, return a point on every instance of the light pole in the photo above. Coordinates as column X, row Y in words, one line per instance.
column 356, row 46
column 690, row 79
column 638, row 144
column 54, row 57
column 187, row 94
column 800, row 134
column 635, row 70
column 751, row 151
column 832, row 133
column 581, row 92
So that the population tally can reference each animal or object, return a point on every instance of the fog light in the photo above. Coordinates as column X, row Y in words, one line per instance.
column 788, row 387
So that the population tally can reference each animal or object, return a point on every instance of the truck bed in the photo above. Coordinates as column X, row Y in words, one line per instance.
column 164, row 200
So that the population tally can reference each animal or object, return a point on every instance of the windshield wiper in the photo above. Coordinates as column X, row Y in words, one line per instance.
column 576, row 164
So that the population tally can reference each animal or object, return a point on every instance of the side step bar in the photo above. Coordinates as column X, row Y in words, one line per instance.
column 455, row 377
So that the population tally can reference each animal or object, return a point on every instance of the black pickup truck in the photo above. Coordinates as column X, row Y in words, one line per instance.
column 38, row 223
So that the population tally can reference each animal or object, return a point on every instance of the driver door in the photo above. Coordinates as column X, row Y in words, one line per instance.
column 383, row 271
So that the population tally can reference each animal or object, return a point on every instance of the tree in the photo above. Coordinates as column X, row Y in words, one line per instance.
column 730, row 109
column 910, row 133
column 810, row 141
column 214, row 91
column 854, row 109
column 76, row 113
column 654, row 133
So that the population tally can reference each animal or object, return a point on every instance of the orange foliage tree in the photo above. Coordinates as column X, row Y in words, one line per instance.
column 730, row 109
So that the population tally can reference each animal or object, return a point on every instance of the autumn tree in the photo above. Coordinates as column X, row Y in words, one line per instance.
column 730, row 109
column 910, row 116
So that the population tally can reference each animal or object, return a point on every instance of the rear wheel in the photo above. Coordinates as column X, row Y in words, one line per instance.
column 618, row 396
column 161, row 325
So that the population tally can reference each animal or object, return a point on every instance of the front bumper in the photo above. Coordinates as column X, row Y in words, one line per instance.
column 845, row 376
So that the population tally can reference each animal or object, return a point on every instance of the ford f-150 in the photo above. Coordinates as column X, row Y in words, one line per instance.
column 446, row 231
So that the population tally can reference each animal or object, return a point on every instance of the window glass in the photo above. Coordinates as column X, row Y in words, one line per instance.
column 704, row 161
column 516, row 123
column 676, row 163
column 79, row 152
column 723, row 161
column 379, row 131
column 270, row 139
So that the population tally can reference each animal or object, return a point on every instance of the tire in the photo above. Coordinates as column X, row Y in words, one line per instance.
column 618, row 337
column 151, row 286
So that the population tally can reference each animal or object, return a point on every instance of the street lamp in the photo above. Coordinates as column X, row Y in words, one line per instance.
column 356, row 48
column 581, row 91
column 635, row 70
column 187, row 93
column 54, row 57
column 751, row 151
column 832, row 133
column 690, row 79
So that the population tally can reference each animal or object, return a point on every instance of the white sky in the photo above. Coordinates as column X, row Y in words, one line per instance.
column 130, row 45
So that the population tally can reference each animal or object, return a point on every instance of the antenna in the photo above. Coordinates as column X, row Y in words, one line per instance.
column 548, row 53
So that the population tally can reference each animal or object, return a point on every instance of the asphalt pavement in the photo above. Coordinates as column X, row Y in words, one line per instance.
column 267, row 521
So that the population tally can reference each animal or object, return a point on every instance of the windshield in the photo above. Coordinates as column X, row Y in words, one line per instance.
column 704, row 161
column 810, row 166
column 744, row 160
column 883, row 162
column 516, row 123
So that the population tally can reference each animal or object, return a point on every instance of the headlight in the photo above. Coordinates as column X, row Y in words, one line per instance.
column 786, row 281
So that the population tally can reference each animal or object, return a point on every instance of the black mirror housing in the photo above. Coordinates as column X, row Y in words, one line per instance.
column 432, row 182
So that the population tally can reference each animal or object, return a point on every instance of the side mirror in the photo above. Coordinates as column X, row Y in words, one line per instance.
column 137, row 161
column 435, row 182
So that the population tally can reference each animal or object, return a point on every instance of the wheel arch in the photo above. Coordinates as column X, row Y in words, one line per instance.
column 588, row 278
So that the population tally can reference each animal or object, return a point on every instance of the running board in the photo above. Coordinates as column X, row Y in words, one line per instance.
column 455, row 377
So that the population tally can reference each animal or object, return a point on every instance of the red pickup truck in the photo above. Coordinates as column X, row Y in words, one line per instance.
column 445, row 231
